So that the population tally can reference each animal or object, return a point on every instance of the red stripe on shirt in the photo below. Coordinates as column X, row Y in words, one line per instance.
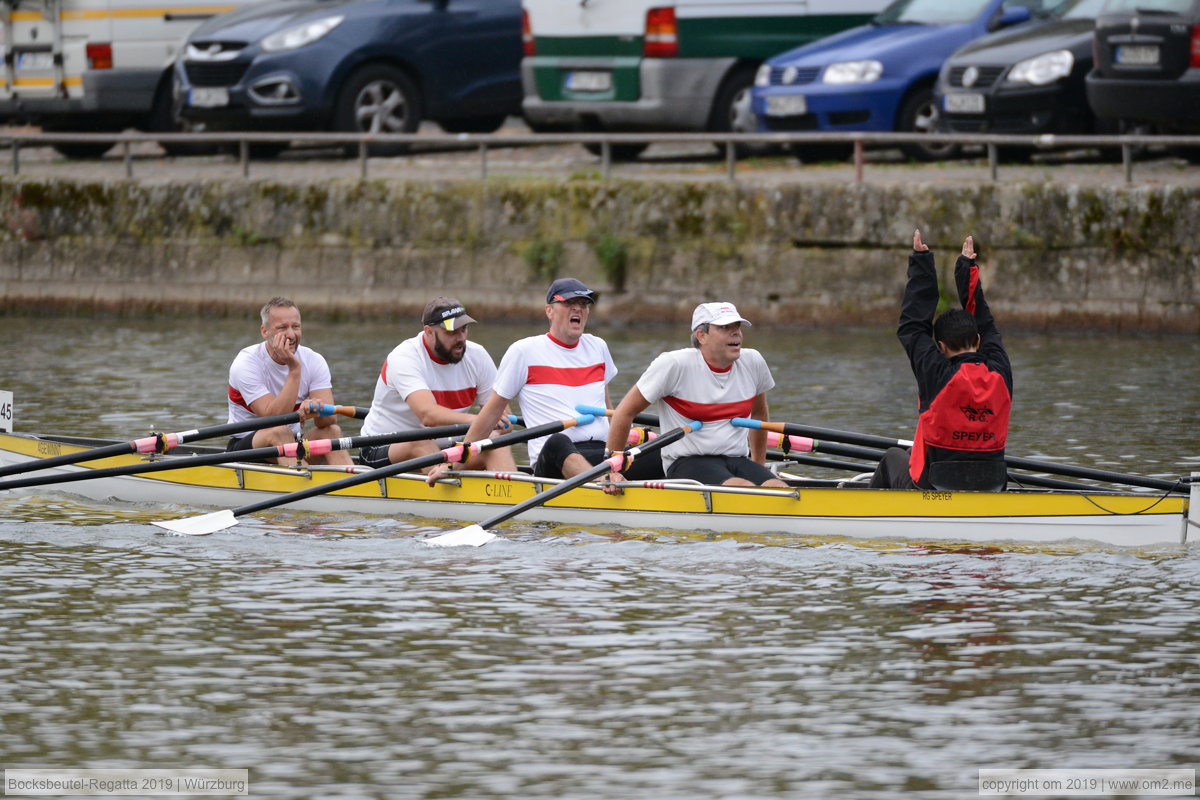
column 567, row 376
column 455, row 398
column 710, row 412
column 236, row 398
column 383, row 373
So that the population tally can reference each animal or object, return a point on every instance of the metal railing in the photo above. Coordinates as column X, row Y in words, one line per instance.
column 605, row 142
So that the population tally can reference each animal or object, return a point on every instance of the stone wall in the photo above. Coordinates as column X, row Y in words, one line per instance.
column 1055, row 256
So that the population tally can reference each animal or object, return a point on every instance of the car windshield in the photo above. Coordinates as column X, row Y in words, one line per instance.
column 930, row 12
column 1090, row 9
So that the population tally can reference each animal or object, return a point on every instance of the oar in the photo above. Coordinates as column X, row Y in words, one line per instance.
column 162, row 442
column 218, row 520
column 640, row 419
column 850, row 437
column 476, row 535
column 298, row 450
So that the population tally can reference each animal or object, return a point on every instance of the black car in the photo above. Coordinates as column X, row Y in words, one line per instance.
column 1148, row 66
column 1029, row 80
column 377, row 66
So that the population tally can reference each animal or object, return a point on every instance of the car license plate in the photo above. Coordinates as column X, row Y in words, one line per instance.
column 1136, row 55
column 964, row 103
column 35, row 61
column 585, row 81
column 208, row 97
column 787, row 105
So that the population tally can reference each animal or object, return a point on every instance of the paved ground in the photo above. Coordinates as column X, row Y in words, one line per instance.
column 688, row 162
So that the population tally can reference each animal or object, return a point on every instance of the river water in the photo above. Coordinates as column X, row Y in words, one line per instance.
column 337, row 657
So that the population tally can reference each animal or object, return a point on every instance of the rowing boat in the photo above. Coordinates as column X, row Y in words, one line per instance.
column 810, row 508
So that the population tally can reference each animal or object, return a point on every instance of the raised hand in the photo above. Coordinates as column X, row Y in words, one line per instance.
column 918, row 245
column 969, row 247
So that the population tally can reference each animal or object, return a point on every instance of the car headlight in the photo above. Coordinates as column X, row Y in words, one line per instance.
column 1043, row 69
column 763, row 76
column 300, row 35
column 865, row 71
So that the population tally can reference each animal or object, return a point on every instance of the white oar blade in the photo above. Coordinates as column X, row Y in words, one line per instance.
column 201, row 525
column 470, row 536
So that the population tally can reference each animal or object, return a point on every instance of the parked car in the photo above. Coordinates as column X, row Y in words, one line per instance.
column 378, row 66
column 82, row 66
column 1029, row 80
column 662, row 65
column 1147, row 66
column 880, row 76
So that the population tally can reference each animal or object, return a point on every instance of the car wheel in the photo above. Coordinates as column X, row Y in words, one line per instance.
column 474, row 124
column 378, row 99
column 920, row 114
column 731, row 111
column 620, row 152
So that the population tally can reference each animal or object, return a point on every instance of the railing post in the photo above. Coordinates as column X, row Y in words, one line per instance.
column 128, row 151
column 858, row 160
column 362, row 159
column 993, row 158
column 606, row 159
column 16, row 157
column 1127, row 162
column 731, row 161
column 483, row 165
column 244, row 157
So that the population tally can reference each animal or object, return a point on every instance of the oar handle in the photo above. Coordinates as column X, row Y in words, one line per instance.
column 459, row 452
column 640, row 419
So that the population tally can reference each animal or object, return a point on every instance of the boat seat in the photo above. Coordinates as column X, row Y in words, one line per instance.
column 968, row 476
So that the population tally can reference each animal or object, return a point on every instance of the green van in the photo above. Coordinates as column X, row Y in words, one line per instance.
column 657, row 65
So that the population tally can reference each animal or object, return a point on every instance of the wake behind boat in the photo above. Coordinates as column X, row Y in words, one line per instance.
column 808, row 508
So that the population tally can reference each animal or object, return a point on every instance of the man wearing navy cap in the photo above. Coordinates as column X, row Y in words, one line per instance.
column 549, row 375
column 433, row 379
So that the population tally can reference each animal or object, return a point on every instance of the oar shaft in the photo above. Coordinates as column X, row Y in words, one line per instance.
column 316, row 447
column 640, row 419
column 1068, row 470
column 418, row 463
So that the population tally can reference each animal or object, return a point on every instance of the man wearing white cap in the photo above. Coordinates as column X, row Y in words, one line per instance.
column 433, row 379
column 713, row 381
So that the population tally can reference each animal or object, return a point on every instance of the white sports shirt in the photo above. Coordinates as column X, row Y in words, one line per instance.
column 549, row 379
column 411, row 367
column 686, row 388
column 255, row 374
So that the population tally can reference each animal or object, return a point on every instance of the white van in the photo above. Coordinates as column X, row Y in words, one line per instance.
column 662, row 65
column 98, row 66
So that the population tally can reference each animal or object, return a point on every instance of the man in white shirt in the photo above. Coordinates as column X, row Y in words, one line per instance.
column 278, row 376
column 430, row 380
column 713, row 381
column 549, row 375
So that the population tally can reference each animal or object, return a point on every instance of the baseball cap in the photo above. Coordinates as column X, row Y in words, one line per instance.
column 716, row 314
column 447, row 312
column 566, row 288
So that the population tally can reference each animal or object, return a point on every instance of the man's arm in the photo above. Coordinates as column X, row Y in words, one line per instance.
column 970, row 294
column 631, row 405
column 431, row 413
column 758, row 438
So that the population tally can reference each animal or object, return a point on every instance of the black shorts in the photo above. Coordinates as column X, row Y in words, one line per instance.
column 559, row 446
column 375, row 456
column 715, row 470
column 240, row 443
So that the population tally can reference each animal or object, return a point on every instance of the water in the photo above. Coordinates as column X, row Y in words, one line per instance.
column 336, row 657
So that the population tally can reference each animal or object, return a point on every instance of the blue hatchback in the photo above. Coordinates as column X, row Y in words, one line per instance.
column 880, row 76
column 371, row 66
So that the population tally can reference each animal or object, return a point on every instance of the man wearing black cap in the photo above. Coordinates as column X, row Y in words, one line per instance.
column 429, row 380
column 549, row 375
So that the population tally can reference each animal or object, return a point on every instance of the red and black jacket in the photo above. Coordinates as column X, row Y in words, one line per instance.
column 964, row 401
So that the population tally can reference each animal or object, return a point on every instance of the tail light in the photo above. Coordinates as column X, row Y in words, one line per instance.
column 1195, row 46
column 99, row 55
column 527, row 35
column 662, row 34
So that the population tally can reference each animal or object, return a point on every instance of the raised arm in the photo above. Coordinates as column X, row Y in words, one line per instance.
column 970, row 294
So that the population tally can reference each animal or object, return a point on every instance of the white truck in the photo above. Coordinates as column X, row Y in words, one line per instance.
column 662, row 65
column 97, row 66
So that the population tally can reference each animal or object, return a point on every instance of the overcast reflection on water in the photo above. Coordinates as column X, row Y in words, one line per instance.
column 336, row 657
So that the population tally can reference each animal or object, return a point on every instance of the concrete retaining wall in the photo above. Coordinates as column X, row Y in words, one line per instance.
column 1054, row 255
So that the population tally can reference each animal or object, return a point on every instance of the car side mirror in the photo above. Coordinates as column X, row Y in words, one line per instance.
column 1013, row 15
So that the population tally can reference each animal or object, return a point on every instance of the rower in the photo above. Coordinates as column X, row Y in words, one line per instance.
column 713, row 381
column 279, row 376
column 433, row 379
column 964, row 384
column 549, row 375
